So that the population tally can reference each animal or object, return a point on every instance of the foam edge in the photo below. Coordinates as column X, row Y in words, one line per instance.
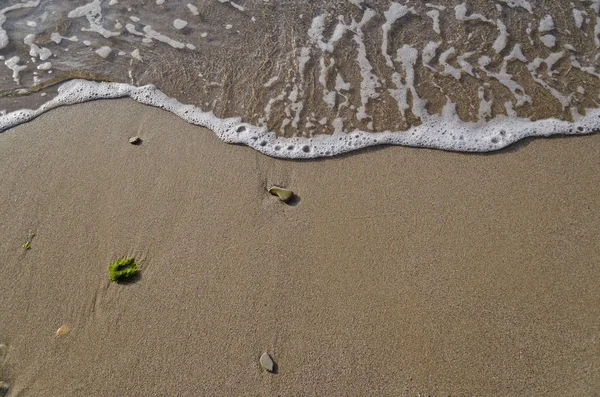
column 435, row 132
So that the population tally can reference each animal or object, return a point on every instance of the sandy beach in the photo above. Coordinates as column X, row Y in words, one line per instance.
column 397, row 272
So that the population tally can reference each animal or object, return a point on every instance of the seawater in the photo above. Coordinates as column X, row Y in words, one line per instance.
column 304, row 79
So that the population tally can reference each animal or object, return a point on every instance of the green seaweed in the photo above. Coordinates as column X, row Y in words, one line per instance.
column 27, row 244
column 283, row 194
column 122, row 270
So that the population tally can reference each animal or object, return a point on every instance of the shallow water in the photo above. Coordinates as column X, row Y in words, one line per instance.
column 459, row 75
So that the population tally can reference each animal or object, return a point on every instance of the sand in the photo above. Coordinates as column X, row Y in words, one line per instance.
column 399, row 271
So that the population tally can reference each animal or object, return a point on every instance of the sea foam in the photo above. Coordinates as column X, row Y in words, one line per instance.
column 300, row 80
column 448, row 133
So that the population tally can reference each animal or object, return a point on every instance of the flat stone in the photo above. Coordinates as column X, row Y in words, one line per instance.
column 135, row 140
column 63, row 330
column 4, row 388
column 3, row 352
column 266, row 362
column 283, row 194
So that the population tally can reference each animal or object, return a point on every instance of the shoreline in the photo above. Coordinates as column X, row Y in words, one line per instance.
column 399, row 271
column 435, row 132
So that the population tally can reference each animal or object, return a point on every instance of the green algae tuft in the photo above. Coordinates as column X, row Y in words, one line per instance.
column 122, row 270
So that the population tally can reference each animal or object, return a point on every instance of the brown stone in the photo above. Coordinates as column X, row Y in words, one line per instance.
column 135, row 140
column 63, row 330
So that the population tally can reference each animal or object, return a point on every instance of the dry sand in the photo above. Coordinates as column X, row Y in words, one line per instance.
column 399, row 271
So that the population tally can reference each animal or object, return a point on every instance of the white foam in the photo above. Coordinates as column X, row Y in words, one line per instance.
column 3, row 35
column 436, row 6
column 578, row 16
column 322, row 67
column 485, row 106
column 179, row 24
column 597, row 32
column 193, row 9
column 237, row 6
column 460, row 12
column 13, row 64
column 505, row 78
column 57, row 38
column 315, row 32
column 502, row 39
column 449, row 70
column 271, row 81
column 136, row 54
column 104, row 51
column 429, row 53
column 329, row 97
column 93, row 13
column 447, row 133
column 518, row 3
column 369, row 85
column 407, row 57
column 45, row 66
column 548, row 40
column 550, row 61
column 153, row 34
column 546, row 24
column 35, row 50
column 394, row 13
column 587, row 69
column 435, row 16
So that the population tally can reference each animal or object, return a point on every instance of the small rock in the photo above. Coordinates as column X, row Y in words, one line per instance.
column 284, row 194
column 3, row 352
column 266, row 362
column 63, row 330
column 135, row 140
column 3, row 388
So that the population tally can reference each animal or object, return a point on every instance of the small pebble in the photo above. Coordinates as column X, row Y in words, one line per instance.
column 283, row 194
column 3, row 352
column 266, row 362
column 135, row 140
column 63, row 330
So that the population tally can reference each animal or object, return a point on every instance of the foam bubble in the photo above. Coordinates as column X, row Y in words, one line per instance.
column 193, row 9
column 179, row 24
column 103, row 51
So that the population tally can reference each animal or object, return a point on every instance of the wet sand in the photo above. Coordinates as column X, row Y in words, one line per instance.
column 398, row 271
